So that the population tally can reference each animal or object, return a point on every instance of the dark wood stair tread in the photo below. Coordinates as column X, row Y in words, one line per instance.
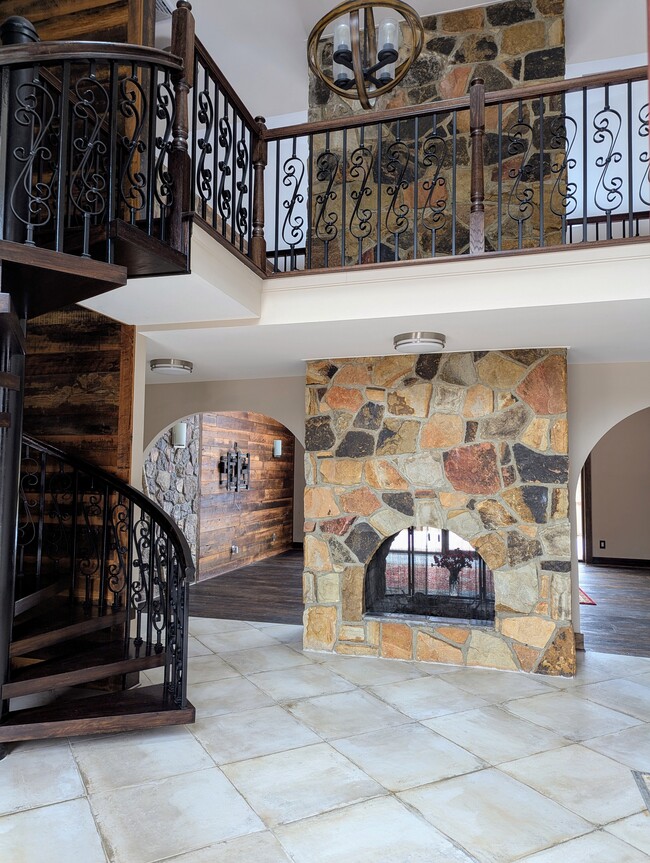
column 131, row 710
column 84, row 666
column 52, row 626
column 32, row 591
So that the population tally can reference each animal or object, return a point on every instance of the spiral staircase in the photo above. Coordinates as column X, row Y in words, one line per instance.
column 93, row 575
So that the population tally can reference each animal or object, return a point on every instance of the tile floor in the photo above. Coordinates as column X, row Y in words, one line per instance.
column 313, row 758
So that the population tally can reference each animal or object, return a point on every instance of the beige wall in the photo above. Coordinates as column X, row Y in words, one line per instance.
column 620, row 489
column 280, row 398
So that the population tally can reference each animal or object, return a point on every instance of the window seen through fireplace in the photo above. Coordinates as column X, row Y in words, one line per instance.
column 432, row 572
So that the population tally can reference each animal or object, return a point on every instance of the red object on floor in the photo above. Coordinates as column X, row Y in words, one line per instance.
column 585, row 599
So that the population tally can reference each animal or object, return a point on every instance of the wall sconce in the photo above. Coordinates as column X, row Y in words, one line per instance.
column 277, row 449
column 179, row 435
column 234, row 470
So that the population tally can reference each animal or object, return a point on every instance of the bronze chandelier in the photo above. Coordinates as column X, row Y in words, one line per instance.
column 365, row 57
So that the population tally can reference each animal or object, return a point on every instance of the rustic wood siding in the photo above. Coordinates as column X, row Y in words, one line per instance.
column 246, row 518
column 79, row 386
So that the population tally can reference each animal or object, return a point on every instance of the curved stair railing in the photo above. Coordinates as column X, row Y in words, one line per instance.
column 101, row 590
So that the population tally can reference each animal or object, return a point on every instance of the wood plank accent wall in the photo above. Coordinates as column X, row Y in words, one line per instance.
column 246, row 518
column 79, row 386
column 130, row 21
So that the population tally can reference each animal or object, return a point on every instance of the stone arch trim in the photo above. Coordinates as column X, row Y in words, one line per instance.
column 388, row 449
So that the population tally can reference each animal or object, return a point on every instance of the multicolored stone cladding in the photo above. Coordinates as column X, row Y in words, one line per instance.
column 475, row 443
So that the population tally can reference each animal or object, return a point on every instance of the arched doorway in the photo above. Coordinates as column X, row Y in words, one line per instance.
column 613, row 543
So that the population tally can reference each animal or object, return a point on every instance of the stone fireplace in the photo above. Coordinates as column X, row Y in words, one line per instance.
column 471, row 443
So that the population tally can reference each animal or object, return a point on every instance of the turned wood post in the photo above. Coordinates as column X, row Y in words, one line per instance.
column 477, row 193
column 260, row 158
column 180, row 163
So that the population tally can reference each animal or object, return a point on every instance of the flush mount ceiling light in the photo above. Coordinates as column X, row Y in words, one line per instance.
column 169, row 366
column 366, row 59
column 419, row 343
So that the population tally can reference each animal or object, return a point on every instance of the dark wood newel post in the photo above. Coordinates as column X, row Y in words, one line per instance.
column 477, row 193
column 260, row 158
column 180, row 166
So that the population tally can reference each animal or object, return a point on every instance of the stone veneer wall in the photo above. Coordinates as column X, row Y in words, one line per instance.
column 475, row 443
column 171, row 478
column 507, row 44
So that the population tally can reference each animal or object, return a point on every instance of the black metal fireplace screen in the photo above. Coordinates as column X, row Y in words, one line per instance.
column 430, row 572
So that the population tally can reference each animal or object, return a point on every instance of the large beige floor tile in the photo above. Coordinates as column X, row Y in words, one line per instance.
column 238, row 639
column 494, row 734
column 427, row 696
column 116, row 760
column 497, row 686
column 634, row 830
column 256, row 848
column 625, row 695
column 594, row 667
column 203, row 669
column 213, row 626
column 226, row 696
column 61, row 833
column 346, row 713
column 291, row 785
column 377, row 831
column 251, row 733
column 571, row 716
column 597, row 847
column 401, row 758
column 370, row 671
column 143, row 823
column 495, row 817
column 631, row 747
column 38, row 773
column 283, row 632
column 575, row 777
column 196, row 647
column 272, row 658
column 306, row 681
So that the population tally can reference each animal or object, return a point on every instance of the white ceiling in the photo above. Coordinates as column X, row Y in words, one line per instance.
column 261, row 45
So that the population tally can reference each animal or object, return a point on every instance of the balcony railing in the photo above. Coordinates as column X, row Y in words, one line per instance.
column 543, row 166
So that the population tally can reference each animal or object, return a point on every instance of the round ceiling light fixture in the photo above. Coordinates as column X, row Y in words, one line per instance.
column 172, row 367
column 419, row 343
column 366, row 59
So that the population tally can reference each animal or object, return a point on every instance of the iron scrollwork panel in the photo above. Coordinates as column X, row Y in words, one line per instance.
column 293, row 225
column 434, row 155
column 607, row 125
column 398, row 158
column 521, row 204
column 243, row 162
column 644, row 158
column 361, row 165
column 134, row 109
column 327, row 166
column 166, row 114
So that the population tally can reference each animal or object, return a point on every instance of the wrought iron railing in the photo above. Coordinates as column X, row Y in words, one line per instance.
column 87, row 134
column 108, row 549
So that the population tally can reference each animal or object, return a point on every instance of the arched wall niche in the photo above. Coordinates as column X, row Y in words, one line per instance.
column 473, row 442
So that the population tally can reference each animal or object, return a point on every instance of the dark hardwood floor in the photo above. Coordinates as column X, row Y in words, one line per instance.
column 620, row 622
column 270, row 590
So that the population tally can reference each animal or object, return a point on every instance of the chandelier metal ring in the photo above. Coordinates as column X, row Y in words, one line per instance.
column 364, row 59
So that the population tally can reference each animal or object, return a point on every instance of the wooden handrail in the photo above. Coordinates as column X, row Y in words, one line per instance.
column 637, row 73
column 224, row 84
column 50, row 52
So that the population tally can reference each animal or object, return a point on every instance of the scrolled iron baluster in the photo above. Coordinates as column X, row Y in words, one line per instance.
column 119, row 545
column 205, row 116
column 607, row 124
column 29, row 496
column 644, row 158
column 293, row 233
column 327, row 165
column 133, row 106
column 398, row 158
column 176, row 630
column 361, row 162
column 89, row 558
column 140, row 585
column 35, row 192
column 165, row 111
column 61, row 488
column 88, row 181
column 159, row 590
column 224, row 195
column 563, row 200
column 434, row 153
column 243, row 160
column 521, row 199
